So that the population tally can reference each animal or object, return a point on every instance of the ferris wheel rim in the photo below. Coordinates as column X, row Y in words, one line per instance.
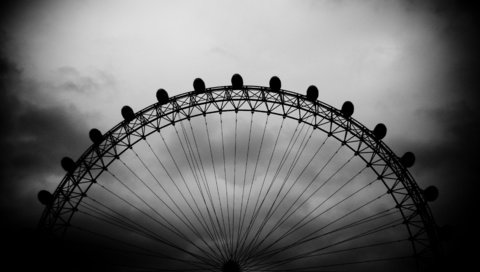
column 73, row 179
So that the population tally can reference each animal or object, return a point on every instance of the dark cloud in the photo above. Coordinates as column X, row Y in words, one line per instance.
column 460, row 118
column 451, row 163
column 34, row 138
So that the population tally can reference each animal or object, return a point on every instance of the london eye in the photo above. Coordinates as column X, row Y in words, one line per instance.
column 244, row 178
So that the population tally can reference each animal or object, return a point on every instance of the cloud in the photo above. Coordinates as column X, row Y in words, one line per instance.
column 450, row 161
column 34, row 138
column 453, row 152
column 70, row 79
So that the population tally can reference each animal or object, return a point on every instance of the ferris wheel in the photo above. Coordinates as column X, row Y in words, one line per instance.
column 244, row 178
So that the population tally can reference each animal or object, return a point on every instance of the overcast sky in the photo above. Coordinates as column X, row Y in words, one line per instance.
column 68, row 66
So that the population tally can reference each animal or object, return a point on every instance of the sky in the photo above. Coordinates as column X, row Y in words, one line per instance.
column 68, row 66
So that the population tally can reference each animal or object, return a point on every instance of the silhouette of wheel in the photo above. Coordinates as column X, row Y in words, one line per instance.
column 243, row 178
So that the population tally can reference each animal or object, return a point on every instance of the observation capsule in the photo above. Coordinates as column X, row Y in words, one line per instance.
column 408, row 159
column 68, row 164
column 312, row 93
column 347, row 109
column 128, row 114
column 199, row 85
column 237, row 82
column 380, row 131
column 96, row 136
column 162, row 96
column 275, row 84
column 430, row 193
column 45, row 197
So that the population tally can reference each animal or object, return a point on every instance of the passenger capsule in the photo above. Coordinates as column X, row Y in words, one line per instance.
column 128, row 113
column 312, row 93
column 347, row 109
column 275, row 84
column 430, row 193
column 96, row 136
column 237, row 82
column 408, row 159
column 68, row 164
column 199, row 85
column 162, row 96
column 45, row 197
column 380, row 131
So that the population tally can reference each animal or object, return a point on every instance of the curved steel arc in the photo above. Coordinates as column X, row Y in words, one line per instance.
column 378, row 156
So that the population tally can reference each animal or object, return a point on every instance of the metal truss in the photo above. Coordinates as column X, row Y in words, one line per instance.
column 375, row 153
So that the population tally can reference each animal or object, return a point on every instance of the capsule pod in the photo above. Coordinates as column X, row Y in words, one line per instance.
column 68, row 164
column 408, row 159
column 430, row 193
column 96, row 136
column 380, row 131
column 237, row 82
column 312, row 93
column 45, row 197
column 347, row 109
column 162, row 96
column 128, row 113
column 199, row 85
column 275, row 84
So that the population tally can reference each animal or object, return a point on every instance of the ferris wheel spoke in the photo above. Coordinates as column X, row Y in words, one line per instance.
column 293, row 228
column 184, row 219
column 201, row 259
column 222, row 215
column 372, row 245
column 313, row 268
column 247, row 230
column 228, row 231
column 165, row 224
column 303, row 255
column 282, row 220
column 250, row 250
column 128, row 224
column 257, row 208
column 288, row 149
column 295, row 161
column 190, row 160
column 109, row 220
column 214, row 223
column 171, row 229
column 311, row 182
column 300, row 222
column 194, row 230
column 358, row 222
column 315, row 236
column 200, row 178
column 146, row 253
column 347, row 250
column 116, row 216
column 322, row 169
column 242, row 219
column 234, row 185
column 196, row 213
